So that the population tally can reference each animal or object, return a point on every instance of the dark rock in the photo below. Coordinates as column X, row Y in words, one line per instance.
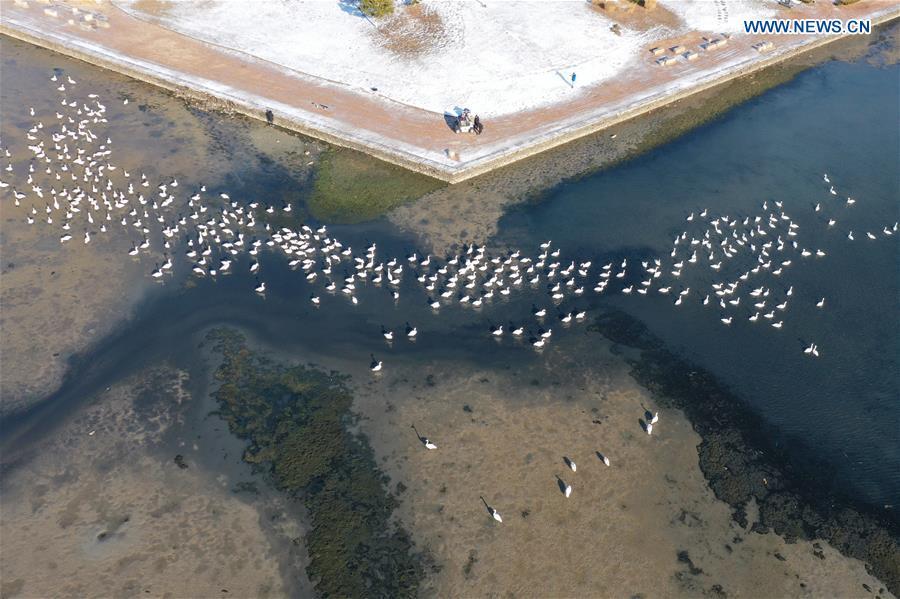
column 685, row 558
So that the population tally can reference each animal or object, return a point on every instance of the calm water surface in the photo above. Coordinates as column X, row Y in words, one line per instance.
column 838, row 118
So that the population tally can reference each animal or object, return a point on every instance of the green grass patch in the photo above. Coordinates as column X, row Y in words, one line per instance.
column 352, row 187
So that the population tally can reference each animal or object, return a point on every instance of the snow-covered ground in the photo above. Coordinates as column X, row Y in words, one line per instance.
column 496, row 57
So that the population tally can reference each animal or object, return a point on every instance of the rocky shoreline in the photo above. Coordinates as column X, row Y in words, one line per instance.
column 744, row 464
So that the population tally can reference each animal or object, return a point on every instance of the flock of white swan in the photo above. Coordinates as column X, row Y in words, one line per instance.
column 69, row 180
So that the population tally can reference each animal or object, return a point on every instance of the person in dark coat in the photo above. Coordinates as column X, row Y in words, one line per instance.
column 270, row 117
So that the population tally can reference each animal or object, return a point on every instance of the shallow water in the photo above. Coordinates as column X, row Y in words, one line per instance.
column 838, row 118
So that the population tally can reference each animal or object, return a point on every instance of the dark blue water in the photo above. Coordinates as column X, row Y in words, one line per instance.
column 841, row 119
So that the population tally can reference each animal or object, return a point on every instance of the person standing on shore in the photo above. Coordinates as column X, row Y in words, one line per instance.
column 573, row 78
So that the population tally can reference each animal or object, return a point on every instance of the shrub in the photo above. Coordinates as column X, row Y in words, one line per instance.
column 377, row 8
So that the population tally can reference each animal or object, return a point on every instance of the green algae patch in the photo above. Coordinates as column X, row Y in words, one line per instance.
column 296, row 420
column 351, row 187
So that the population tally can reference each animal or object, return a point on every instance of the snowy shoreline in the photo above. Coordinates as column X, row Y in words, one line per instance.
column 451, row 160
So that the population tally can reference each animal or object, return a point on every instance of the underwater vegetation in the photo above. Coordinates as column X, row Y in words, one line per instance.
column 351, row 187
column 295, row 420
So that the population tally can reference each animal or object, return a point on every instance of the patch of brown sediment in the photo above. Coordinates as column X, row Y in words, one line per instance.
column 412, row 31
column 56, row 299
column 468, row 212
column 636, row 17
column 96, row 511
column 647, row 525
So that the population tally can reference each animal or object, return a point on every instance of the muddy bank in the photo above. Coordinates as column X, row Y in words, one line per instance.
column 749, row 467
